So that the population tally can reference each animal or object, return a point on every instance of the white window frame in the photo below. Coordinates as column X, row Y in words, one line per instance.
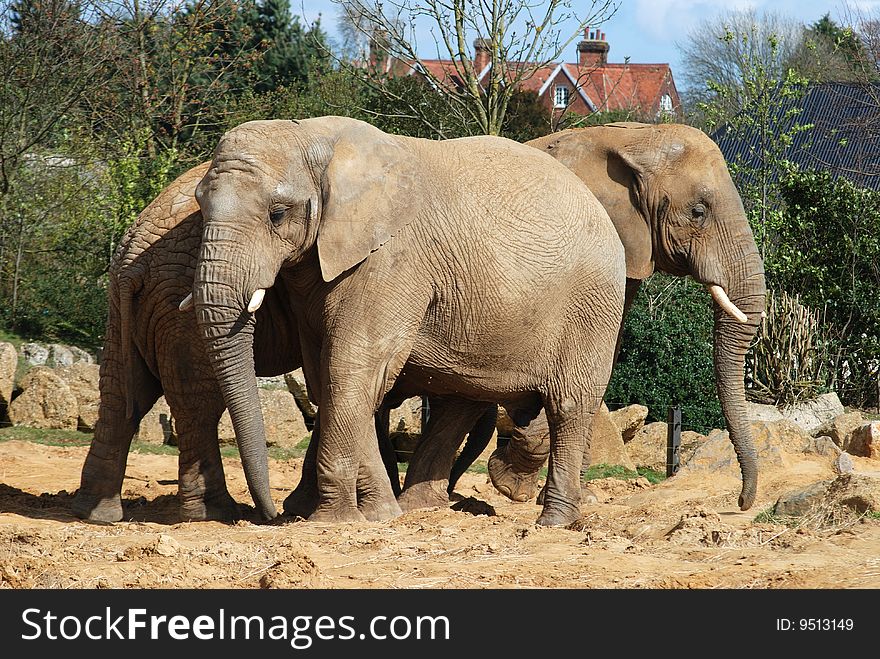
column 565, row 92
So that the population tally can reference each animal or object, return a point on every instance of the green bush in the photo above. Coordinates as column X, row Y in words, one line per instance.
column 666, row 354
column 827, row 250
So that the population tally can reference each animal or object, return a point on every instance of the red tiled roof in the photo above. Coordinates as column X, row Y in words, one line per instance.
column 608, row 86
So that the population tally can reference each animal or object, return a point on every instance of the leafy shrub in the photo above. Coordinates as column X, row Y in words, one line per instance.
column 827, row 251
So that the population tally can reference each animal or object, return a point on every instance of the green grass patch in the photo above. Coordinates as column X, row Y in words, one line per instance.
column 47, row 437
column 618, row 471
column 14, row 339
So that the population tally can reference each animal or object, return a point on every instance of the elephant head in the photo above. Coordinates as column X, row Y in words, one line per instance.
column 278, row 193
column 669, row 193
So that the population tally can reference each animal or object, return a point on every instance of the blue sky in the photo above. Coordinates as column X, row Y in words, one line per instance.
column 648, row 30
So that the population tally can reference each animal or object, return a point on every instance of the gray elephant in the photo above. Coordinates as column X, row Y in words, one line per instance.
column 476, row 270
column 668, row 191
column 152, row 347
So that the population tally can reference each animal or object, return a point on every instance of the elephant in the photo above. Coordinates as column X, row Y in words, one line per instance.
column 475, row 270
column 668, row 191
column 151, row 347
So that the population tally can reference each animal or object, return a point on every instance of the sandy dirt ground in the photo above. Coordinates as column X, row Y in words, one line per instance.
column 685, row 532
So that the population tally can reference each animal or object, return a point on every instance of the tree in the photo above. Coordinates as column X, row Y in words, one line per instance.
column 515, row 38
column 829, row 53
column 720, row 54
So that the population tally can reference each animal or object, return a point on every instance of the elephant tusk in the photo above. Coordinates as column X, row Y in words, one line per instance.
column 186, row 303
column 724, row 302
column 256, row 300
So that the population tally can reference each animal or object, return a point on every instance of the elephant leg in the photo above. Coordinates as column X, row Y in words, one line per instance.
column 477, row 441
column 386, row 447
column 353, row 482
column 427, row 476
column 514, row 467
column 201, row 482
column 303, row 501
column 99, row 495
column 570, row 422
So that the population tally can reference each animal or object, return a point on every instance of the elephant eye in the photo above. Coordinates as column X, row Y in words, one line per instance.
column 699, row 212
column 276, row 215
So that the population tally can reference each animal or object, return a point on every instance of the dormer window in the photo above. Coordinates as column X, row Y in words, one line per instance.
column 666, row 104
column 562, row 96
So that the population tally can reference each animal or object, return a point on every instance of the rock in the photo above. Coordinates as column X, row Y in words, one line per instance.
column 285, row 426
column 865, row 440
column 407, row 417
column 296, row 385
column 840, row 427
column 157, row 426
column 34, row 354
column 629, row 420
column 648, row 446
column 166, row 546
column 860, row 492
column 82, row 379
column 45, row 402
column 811, row 414
column 822, row 446
column 802, row 501
column 606, row 442
column 80, row 356
column 843, row 464
column 59, row 355
column 773, row 441
column 758, row 412
column 8, row 364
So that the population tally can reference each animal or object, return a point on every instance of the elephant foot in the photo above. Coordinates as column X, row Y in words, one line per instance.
column 516, row 482
column 97, row 509
column 559, row 515
column 220, row 508
column 588, row 496
column 302, row 502
column 380, row 511
column 336, row 514
column 427, row 494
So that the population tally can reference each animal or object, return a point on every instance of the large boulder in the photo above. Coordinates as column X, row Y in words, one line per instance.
column 282, row 418
column 45, row 402
column 606, row 443
column 82, row 379
column 803, row 501
column 648, row 446
column 34, row 354
column 861, row 492
column 629, row 420
column 407, row 417
column 759, row 412
column 811, row 414
column 8, row 364
column 840, row 428
column 774, row 441
column 865, row 440
column 59, row 355
column 157, row 426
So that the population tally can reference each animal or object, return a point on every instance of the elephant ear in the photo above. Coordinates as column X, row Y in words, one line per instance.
column 631, row 163
column 369, row 195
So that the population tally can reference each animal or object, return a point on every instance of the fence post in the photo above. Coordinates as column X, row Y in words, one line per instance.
column 426, row 412
column 673, row 440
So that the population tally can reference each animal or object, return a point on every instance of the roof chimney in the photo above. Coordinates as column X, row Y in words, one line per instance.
column 482, row 54
column 593, row 50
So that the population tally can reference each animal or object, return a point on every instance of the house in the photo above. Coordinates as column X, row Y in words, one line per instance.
column 588, row 85
column 843, row 138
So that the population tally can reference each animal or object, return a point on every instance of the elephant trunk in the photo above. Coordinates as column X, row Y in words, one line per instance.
column 733, row 335
column 227, row 327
